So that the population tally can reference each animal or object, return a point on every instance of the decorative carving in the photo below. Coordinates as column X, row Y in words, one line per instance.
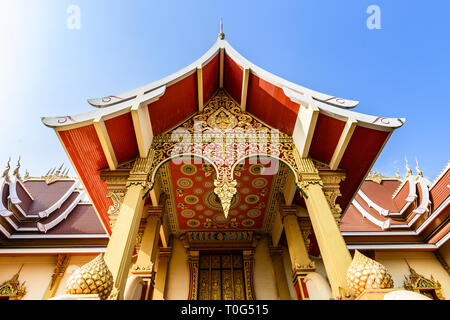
column 419, row 284
column 16, row 170
column 117, row 197
column 223, row 136
column 331, row 196
column 62, row 261
column 92, row 278
column 193, row 259
column 248, row 273
column 365, row 273
column 52, row 176
column 6, row 172
column 12, row 288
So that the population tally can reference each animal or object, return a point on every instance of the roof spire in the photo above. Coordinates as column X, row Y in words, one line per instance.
column 419, row 173
column 6, row 172
column 408, row 170
column 221, row 34
column 16, row 170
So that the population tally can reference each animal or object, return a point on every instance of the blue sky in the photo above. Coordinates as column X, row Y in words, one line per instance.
column 401, row 70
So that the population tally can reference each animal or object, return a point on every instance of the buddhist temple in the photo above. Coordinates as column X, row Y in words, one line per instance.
column 223, row 181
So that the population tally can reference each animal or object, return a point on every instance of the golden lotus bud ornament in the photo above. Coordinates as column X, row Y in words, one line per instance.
column 92, row 278
column 365, row 273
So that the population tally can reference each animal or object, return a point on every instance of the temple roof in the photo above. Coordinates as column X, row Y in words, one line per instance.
column 390, row 212
column 47, row 212
column 123, row 125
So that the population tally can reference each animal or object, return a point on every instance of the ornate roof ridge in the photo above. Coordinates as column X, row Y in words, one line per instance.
column 440, row 175
column 330, row 105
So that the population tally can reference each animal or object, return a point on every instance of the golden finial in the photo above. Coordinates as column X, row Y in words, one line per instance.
column 397, row 174
column 59, row 169
column 408, row 170
column 16, row 170
column 27, row 174
column 419, row 173
column 221, row 34
column 6, row 172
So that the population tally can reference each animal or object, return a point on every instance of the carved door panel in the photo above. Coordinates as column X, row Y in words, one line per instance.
column 221, row 277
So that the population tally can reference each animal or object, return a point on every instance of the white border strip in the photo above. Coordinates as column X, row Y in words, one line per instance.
column 53, row 250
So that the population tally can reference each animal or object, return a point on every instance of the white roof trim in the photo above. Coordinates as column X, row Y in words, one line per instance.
column 89, row 117
column 372, row 204
column 61, row 217
column 444, row 171
column 384, row 225
column 59, row 236
column 53, row 250
column 373, row 122
column 401, row 233
column 4, row 212
column 60, row 201
column 330, row 105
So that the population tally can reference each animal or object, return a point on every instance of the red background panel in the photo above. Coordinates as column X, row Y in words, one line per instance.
column 87, row 155
column 361, row 151
column 269, row 103
column 326, row 137
column 232, row 78
column 178, row 103
column 123, row 138
column 210, row 78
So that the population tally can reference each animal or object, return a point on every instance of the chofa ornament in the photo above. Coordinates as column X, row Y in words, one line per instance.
column 365, row 273
column 92, row 278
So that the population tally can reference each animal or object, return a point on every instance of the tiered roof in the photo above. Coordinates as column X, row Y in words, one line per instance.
column 409, row 213
column 49, row 214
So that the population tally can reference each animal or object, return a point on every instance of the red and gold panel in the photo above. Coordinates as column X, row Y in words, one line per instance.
column 198, row 207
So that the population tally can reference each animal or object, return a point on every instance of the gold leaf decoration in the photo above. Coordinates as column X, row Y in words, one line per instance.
column 92, row 278
column 365, row 273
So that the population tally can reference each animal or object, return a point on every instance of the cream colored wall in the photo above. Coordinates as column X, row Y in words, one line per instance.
column 177, row 287
column 36, row 272
column 424, row 263
column 445, row 252
column 263, row 277
column 75, row 262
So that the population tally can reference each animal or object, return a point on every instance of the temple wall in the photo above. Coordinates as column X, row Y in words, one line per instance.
column 263, row 277
column 177, row 286
column 36, row 272
column 445, row 252
column 424, row 263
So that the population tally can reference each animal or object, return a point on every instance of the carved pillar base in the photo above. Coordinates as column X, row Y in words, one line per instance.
column 299, row 283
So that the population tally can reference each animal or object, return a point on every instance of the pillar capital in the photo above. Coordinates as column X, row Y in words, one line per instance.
column 140, row 172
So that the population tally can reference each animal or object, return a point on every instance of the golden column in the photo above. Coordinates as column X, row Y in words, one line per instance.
column 301, row 263
column 161, row 273
column 148, row 248
column 333, row 249
column 276, row 253
column 121, row 244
